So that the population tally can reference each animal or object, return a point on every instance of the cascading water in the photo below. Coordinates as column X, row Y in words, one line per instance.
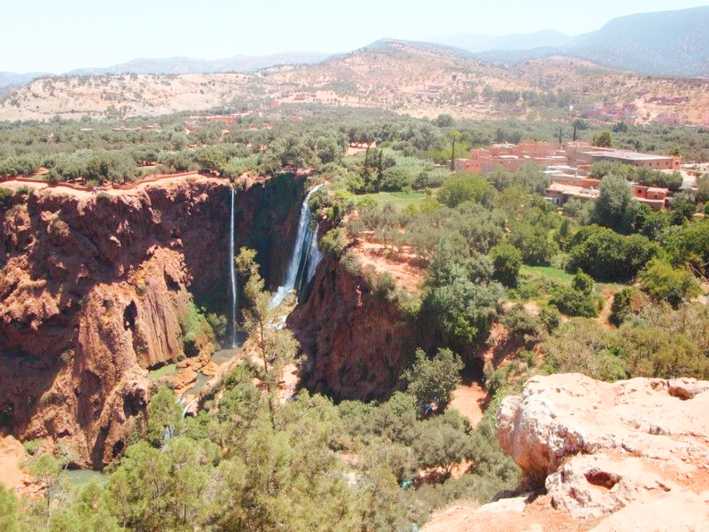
column 305, row 256
column 314, row 257
column 232, row 272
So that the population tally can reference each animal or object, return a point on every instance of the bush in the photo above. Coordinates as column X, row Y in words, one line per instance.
column 608, row 256
column 688, row 245
column 460, row 188
column 583, row 346
column 334, row 242
column 665, row 283
column 615, row 206
column 394, row 179
column 550, row 317
column 523, row 325
column 574, row 303
column 621, row 309
column 432, row 380
column 196, row 330
column 682, row 208
column 666, row 343
column 6, row 196
column 577, row 300
column 506, row 260
column 32, row 446
column 534, row 243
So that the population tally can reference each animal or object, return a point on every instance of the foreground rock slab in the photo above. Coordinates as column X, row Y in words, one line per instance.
column 630, row 455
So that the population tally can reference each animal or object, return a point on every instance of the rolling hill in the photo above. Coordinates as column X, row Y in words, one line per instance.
column 419, row 79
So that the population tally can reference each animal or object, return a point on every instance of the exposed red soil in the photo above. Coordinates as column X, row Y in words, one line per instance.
column 402, row 263
column 469, row 400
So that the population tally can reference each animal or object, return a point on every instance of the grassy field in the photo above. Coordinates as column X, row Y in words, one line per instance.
column 400, row 200
column 557, row 275
column 547, row 272
column 164, row 371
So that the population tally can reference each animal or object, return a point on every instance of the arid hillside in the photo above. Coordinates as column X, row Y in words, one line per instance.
column 412, row 78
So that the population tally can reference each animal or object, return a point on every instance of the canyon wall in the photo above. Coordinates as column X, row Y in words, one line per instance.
column 93, row 288
column 357, row 341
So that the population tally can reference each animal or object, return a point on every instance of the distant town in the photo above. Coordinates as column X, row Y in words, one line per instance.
column 569, row 168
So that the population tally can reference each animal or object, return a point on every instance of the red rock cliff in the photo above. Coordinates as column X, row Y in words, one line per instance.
column 357, row 341
column 91, row 292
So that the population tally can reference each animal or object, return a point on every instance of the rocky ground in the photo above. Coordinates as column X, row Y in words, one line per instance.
column 631, row 455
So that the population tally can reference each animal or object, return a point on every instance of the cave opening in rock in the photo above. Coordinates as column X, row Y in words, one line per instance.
column 130, row 314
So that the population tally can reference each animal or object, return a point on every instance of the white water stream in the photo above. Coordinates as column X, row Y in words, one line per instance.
column 305, row 256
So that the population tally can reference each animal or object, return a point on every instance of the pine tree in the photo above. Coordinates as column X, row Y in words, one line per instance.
column 275, row 347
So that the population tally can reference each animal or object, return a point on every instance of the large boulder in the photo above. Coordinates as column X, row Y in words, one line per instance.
column 624, row 448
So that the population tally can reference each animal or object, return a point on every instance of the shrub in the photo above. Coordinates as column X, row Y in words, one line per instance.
column 534, row 243
column 523, row 325
column 665, row 283
column 432, row 380
column 506, row 260
column 666, row 343
column 383, row 285
column 550, row 317
column 574, row 303
column 196, row 330
column 583, row 346
column 621, row 309
column 460, row 188
column 615, row 207
column 334, row 242
column 682, row 208
column 32, row 446
column 577, row 300
column 689, row 245
column 394, row 179
column 608, row 256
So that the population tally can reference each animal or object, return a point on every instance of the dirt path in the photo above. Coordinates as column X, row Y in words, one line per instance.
column 605, row 313
column 468, row 400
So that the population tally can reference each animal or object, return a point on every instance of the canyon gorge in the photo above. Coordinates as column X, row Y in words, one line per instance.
column 96, row 287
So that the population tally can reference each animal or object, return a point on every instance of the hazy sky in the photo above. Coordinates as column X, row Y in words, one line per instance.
column 58, row 35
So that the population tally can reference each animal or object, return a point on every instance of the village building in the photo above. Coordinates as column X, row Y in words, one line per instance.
column 568, row 167
column 582, row 155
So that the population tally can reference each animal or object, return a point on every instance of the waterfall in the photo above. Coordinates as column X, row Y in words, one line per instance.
column 232, row 272
column 314, row 257
column 301, row 260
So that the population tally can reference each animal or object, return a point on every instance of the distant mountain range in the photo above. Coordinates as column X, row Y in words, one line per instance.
column 418, row 79
column 519, row 41
column 175, row 65
column 187, row 65
column 669, row 43
column 12, row 79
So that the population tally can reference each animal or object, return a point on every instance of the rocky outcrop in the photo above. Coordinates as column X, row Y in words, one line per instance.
column 614, row 455
column 93, row 288
column 357, row 341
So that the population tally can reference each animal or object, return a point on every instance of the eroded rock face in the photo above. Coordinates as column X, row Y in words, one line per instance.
column 614, row 449
column 92, row 290
column 356, row 340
